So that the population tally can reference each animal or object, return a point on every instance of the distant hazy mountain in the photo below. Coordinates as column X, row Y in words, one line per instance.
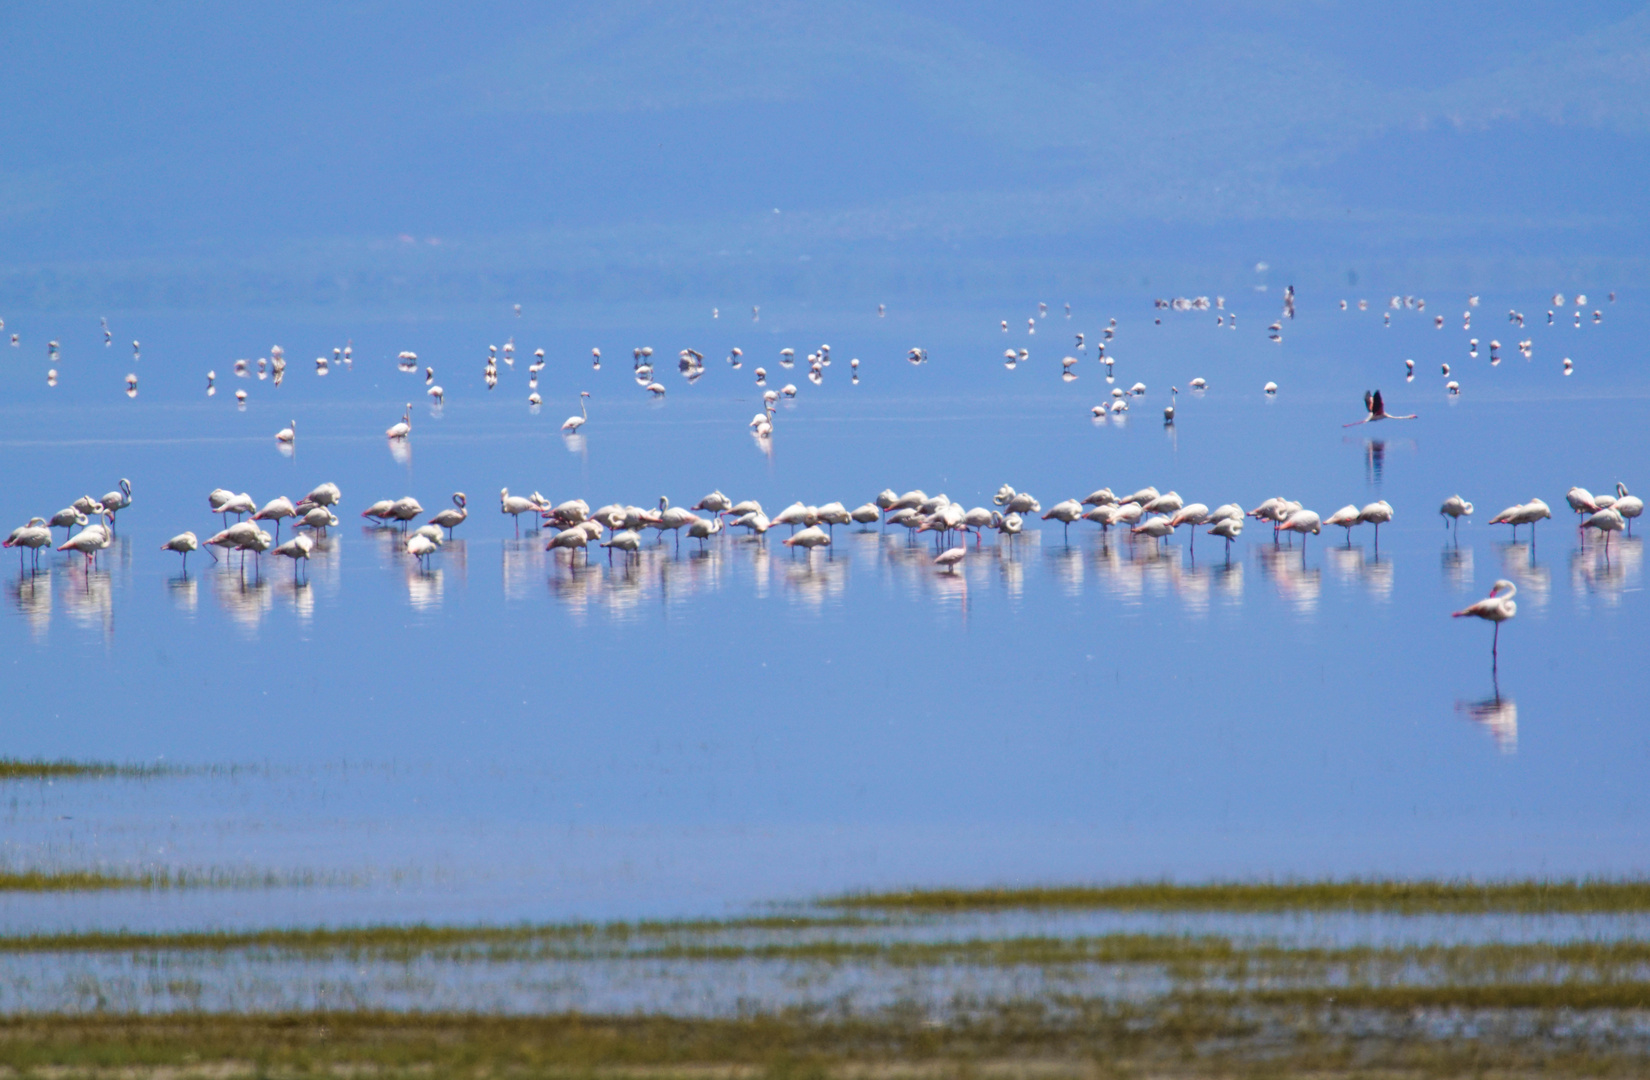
column 203, row 155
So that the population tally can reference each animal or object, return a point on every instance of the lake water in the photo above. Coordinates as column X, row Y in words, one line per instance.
column 509, row 736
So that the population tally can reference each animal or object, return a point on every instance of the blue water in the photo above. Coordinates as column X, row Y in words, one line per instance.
column 511, row 736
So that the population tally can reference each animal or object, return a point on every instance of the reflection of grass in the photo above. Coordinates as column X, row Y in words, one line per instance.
column 34, row 769
column 1186, row 1040
column 1407, row 897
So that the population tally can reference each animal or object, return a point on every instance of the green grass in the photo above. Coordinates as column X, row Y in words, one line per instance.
column 1406, row 897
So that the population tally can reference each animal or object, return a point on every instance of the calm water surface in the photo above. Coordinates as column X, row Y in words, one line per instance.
column 510, row 736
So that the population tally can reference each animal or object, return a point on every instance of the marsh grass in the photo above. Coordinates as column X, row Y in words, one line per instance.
column 48, row 881
column 1402, row 897
column 37, row 769
column 1184, row 1040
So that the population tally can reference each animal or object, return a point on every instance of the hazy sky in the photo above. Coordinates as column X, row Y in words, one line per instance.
column 224, row 154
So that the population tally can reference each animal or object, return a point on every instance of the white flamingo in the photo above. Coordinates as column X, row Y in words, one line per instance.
column 183, row 544
column 573, row 423
column 1628, row 506
column 402, row 429
column 288, row 434
column 453, row 517
column 515, row 506
column 1454, row 509
column 1497, row 607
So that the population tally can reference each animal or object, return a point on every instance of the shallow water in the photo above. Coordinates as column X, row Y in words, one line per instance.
column 510, row 736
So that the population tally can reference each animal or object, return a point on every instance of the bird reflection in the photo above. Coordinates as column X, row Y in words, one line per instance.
column 1534, row 580
column 32, row 595
column 400, row 451
column 1498, row 714
column 89, row 599
column 1607, row 573
column 185, row 593
column 244, row 599
column 424, row 587
column 1457, row 566
column 1374, row 574
column 1374, row 461
column 1297, row 584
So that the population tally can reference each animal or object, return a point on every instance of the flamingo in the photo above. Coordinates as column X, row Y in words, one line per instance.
column 1376, row 409
column 573, row 423
column 274, row 510
column 1156, row 527
column 1346, row 517
column 1303, row 522
column 421, row 547
column 833, row 514
column 1377, row 514
column 515, row 506
column 239, row 505
column 1166, row 503
column 451, row 519
column 574, row 539
column 405, row 509
column 116, row 501
column 1103, row 497
column 324, row 495
column 1497, row 607
column 715, row 503
column 627, row 541
column 808, row 539
column 1522, row 514
column 1193, row 514
column 1065, row 513
column 1228, row 529
column 318, row 518
column 702, row 529
column 288, row 434
column 183, row 544
column 402, row 429
column 1581, row 501
column 66, row 519
column 1605, row 521
column 1628, row 506
column 866, row 514
column 950, row 557
column 295, row 549
column 1455, row 508
column 379, row 511
column 34, row 536
column 89, row 541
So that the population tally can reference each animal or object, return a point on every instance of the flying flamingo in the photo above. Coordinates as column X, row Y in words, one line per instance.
column 1377, row 410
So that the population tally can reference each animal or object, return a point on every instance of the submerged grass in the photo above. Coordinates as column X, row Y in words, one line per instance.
column 1405, row 897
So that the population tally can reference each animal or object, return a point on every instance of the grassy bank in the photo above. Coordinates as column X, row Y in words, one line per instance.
column 36, row 769
column 1401, row 897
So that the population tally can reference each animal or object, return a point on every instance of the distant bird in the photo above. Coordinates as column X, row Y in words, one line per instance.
column 405, row 509
column 287, row 434
column 1303, row 522
column 950, row 557
column 404, row 428
column 450, row 519
column 1498, row 607
column 573, row 423
column 1271, row 389
column 1376, row 409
